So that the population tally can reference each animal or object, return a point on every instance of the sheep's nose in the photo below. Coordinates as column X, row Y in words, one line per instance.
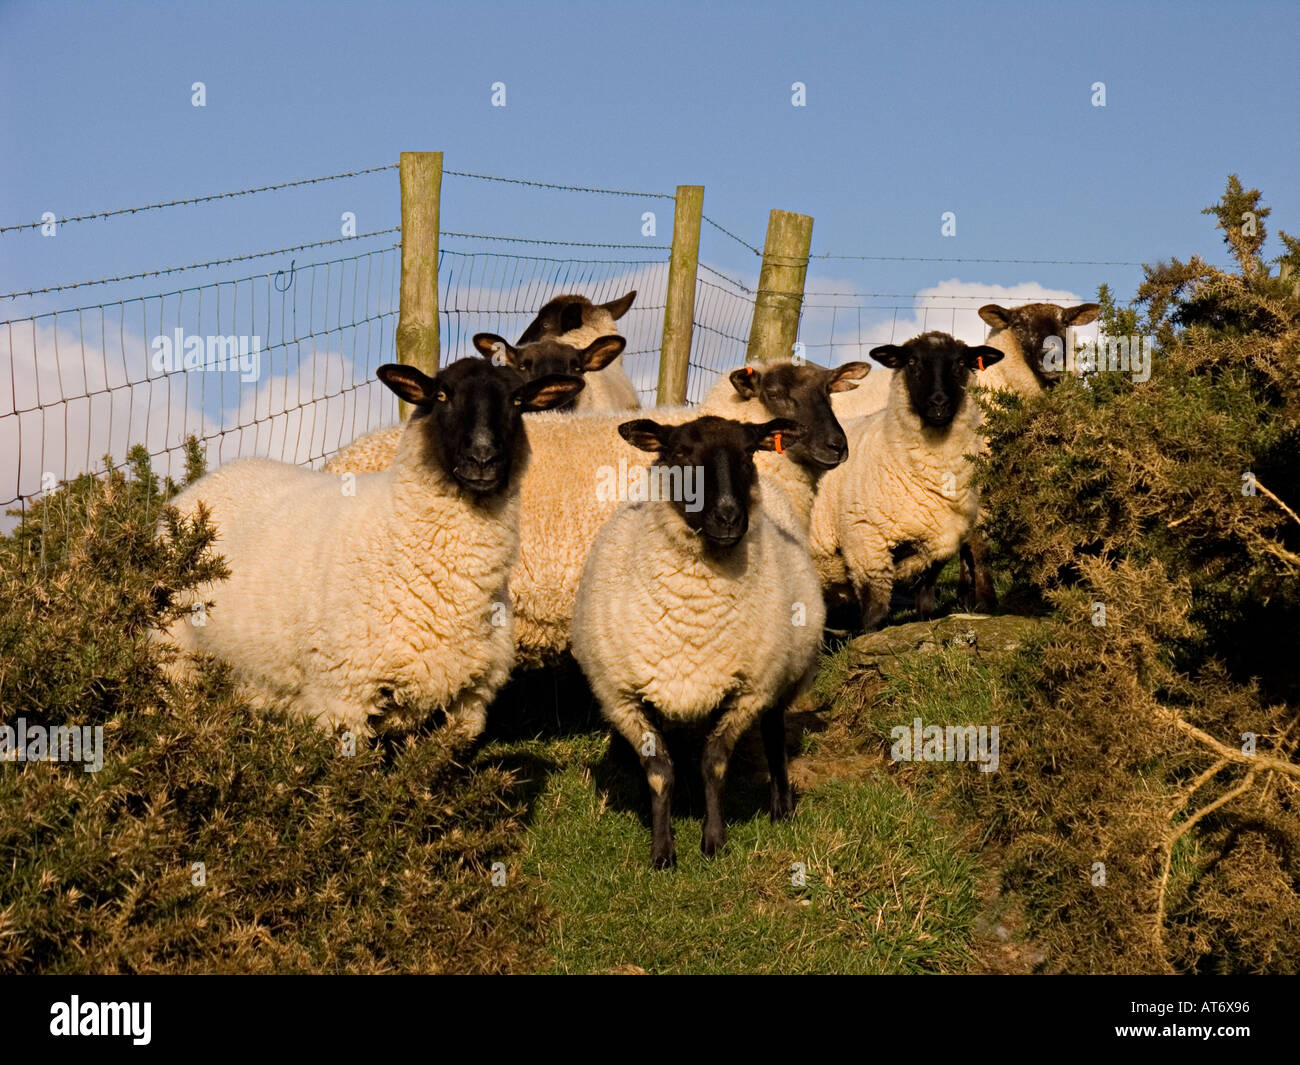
column 727, row 511
column 482, row 450
column 939, row 405
column 838, row 446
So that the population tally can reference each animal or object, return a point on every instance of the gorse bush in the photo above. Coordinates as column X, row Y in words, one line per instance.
column 1158, row 522
column 216, row 838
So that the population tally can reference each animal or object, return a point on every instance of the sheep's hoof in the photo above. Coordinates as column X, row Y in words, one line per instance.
column 712, row 842
column 782, row 808
column 667, row 860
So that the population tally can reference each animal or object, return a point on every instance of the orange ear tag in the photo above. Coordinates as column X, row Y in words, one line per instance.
column 749, row 370
column 779, row 449
column 980, row 360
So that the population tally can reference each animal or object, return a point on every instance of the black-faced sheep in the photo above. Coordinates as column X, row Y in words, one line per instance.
column 374, row 601
column 903, row 502
column 699, row 610
column 576, row 321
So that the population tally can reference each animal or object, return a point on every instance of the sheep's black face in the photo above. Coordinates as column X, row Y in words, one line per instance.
column 548, row 356
column 1038, row 328
column 472, row 415
column 712, row 460
column 802, row 393
column 936, row 369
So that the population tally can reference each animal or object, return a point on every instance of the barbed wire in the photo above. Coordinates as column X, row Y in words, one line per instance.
column 201, row 199
column 725, row 277
column 932, row 259
column 558, row 243
column 564, row 188
column 196, row 266
column 917, row 296
column 743, row 243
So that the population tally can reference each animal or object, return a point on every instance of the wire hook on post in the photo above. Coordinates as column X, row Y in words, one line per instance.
column 280, row 273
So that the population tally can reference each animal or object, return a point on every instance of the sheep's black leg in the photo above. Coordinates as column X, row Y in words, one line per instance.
column 717, row 753
column 659, row 773
column 773, row 728
column 924, row 601
column 630, row 719
column 874, row 604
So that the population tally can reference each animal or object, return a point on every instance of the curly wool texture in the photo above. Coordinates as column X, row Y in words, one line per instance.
column 562, row 506
column 657, row 620
column 904, row 484
column 1012, row 373
column 340, row 608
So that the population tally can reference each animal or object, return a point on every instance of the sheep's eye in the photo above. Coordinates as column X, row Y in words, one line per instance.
column 441, row 397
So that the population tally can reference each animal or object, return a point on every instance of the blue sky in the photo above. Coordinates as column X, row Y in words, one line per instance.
column 913, row 109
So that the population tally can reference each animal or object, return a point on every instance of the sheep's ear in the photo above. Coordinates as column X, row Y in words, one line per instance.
column 745, row 381
column 601, row 352
column 777, row 435
column 619, row 307
column 645, row 434
column 409, row 383
column 997, row 317
column 982, row 354
column 845, row 378
column 1082, row 314
column 553, row 390
column 497, row 349
column 891, row 355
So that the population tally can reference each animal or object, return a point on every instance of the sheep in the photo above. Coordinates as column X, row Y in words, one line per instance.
column 583, row 464
column 903, row 502
column 701, row 613
column 1020, row 334
column 570, row 495
column 537, row 358
column 576, row 321
column 380, row 600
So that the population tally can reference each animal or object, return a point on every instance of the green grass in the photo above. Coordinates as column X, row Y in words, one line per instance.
column 886, row 889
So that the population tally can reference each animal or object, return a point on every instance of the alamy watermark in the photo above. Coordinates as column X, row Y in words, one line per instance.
column 641, row 484
column 57, row 743
column 1106, row 354
column 78, row 1018
column 946, row 743
column 242, row 354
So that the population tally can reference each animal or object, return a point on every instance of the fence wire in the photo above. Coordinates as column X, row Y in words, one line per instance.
column 495, row 292
column 79, row 384
column 287, row 374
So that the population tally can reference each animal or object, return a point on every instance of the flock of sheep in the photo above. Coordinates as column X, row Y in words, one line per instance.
column 520, row 514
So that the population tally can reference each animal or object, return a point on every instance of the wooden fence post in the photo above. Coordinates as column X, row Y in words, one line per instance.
column 775, row 327
column 679, row 306
column 417, row 325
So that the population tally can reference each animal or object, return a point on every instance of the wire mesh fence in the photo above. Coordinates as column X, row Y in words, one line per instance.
column 278, row 365
column 282, row 364
column 497, row 292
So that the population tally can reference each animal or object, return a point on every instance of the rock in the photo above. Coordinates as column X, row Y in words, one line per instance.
column 981, row 633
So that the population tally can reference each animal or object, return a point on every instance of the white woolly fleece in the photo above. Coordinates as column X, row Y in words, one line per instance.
column 560, row 513
column 658, row 620
column 903, row 483
column 340, row 608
